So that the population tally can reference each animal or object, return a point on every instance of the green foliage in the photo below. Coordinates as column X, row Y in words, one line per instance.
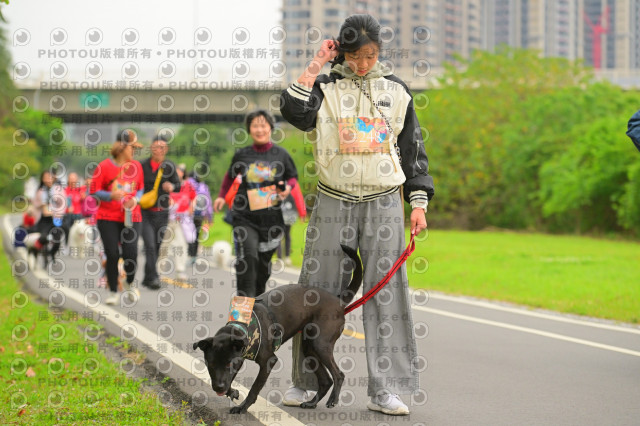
column 7, row 89
column 212, row 145
column 502, row 118
column 301, row 150
column 44, row 130
column 588, row 178
column 17, row 162
column 628, row 208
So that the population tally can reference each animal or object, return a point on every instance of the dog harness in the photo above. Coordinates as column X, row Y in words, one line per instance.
column 253, row 332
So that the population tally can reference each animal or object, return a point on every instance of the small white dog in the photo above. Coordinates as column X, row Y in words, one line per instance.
column 222, row 254
column 81, row 238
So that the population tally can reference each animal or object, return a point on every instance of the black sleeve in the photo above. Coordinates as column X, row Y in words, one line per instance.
column 169, row 174
column 415, row 164
column 633, row 129
column 299, row 105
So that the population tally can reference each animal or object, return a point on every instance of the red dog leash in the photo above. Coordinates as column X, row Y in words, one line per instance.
column 403, row 258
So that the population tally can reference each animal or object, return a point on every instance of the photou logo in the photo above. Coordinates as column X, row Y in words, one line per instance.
column 21, row 37
column 166, row 36
column 58, row 36
column 202, row 36
column 240, row 35
column 93, row 36
column 277, row 35
column 167, row 69
column 21, row 70
column 130, row 37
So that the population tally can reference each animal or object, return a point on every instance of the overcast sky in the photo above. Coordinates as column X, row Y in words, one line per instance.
column 52, row 41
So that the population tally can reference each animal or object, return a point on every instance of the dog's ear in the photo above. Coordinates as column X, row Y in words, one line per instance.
column 203, row 344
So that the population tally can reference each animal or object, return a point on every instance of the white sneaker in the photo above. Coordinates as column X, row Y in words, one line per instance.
column 294, row 396
column 114, row 299
column 388, row 403
column 131, row 296
column 287, row 261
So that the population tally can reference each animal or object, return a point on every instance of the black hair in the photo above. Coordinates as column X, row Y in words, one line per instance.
column 42, row 177
column 259, row 112
column 356, row 31
column 126, row 136
column 159, row 137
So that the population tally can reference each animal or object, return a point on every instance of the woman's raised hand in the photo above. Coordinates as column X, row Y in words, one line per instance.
column 328, row 51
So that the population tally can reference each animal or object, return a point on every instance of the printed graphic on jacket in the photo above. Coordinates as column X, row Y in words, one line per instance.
column 362, row 135
column 260, row 197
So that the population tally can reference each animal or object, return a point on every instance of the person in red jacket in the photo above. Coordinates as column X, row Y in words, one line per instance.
column 118, row 183
column 75, row 194
column 181, row 223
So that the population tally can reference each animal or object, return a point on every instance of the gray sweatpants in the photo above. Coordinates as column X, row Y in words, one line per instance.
column 377, row 229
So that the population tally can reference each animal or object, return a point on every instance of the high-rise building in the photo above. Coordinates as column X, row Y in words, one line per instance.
column 421, row 35
column 414, row 36
column 550, row 26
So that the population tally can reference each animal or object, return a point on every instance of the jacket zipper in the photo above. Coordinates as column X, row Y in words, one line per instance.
column 360, row 197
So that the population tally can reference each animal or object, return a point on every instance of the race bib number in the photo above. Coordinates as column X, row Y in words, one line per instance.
column 362, row 135
column 240, row 309
column 261, row 198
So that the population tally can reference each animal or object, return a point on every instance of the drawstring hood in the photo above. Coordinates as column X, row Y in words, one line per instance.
column 378, row 70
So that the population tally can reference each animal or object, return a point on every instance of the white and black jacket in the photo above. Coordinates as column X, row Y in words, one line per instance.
column 336, row 109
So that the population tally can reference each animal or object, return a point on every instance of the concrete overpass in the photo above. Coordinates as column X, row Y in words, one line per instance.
column 148, row 106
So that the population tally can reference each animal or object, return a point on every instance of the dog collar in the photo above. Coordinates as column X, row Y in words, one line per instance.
column 240, row 326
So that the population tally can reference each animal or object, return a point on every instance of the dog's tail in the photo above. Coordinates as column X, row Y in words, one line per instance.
column 348, row 294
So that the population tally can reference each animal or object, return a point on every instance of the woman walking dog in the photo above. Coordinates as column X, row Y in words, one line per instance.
column 365, row 151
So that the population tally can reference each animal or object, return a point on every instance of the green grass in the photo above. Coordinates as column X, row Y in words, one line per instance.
column 577, row 275
column 51, row 375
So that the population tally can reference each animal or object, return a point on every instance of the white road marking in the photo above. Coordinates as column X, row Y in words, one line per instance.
column 529, row 330
column 522, row 311
column 260, row 409
column 525, row 312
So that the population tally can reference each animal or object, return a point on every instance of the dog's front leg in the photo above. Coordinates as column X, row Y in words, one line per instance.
column 233, row 393
column 258, row 384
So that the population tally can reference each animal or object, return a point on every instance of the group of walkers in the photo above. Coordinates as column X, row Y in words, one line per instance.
column 110, row 199
column 369, row 158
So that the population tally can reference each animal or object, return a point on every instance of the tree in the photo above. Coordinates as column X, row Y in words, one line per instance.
column 492, row 125
column 8, row 90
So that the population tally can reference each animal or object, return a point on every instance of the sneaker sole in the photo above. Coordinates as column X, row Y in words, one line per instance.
column 396, row 412
column 291, row 403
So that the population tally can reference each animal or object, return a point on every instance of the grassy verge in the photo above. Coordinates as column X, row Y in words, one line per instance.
column 577, row 275
column 52, row 374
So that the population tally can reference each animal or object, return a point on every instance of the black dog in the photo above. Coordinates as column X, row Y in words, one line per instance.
column 48, row 251
column 281, row 313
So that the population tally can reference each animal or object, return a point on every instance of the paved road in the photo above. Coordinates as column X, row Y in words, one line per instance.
column 484, row 363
